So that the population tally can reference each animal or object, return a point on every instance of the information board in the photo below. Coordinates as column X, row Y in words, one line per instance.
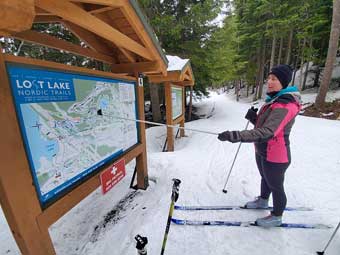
column 70, row 124
column 177, row 102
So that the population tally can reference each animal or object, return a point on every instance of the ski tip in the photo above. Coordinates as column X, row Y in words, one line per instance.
column 307, row 226
column 299, row 208
column 322, row 226
column 320, row 252
column 177, row 221
column 225, row 191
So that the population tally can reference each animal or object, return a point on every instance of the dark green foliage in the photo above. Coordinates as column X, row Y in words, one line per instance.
column 184, row 28
column 18, row 48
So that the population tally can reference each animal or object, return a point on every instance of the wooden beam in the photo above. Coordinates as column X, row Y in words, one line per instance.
column 89, row 38
column 47, row 19
column 114, row 3
column 178, row 120
column 185, row 83
column 55, row 43
column 128, row 55
column 186, row 77
column 77, row 15
column 171, row 77
column 39, row 11
column 135, row 67
column 108, row 20
column 76, row 69
column 100, row 10
column 95, row 8
column 140, row 30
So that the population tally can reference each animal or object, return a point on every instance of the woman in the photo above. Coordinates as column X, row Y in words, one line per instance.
column 271, row 137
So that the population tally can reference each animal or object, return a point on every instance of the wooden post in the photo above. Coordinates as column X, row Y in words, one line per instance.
column 141, row 160
column 18, row 197
column 182, row 133
column 169, row 120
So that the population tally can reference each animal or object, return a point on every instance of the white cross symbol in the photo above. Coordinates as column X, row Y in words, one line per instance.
column 114, row 170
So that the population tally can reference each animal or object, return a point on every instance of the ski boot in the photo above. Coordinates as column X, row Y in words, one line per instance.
column 258, row 203
column 269, row 221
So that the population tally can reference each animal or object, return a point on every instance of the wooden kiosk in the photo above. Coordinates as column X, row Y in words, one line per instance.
column 179, row 76
column 114, row 32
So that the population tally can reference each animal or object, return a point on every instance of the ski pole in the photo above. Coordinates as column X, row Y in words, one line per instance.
column 324, row 250
column 141, row 242
column 174, row 197
column 165, row 125
column 232, row 165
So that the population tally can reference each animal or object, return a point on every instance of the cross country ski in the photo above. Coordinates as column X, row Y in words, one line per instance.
column 231, row 207
column 244, row 224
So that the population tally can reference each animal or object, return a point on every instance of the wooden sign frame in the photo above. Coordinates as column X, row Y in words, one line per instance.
column 169, row 120
column 28, row 221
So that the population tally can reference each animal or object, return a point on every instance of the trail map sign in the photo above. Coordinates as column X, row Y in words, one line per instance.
column 69, row 124
column 177, row 102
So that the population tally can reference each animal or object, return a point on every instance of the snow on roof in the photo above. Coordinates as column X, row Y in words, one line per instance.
column 176, row 63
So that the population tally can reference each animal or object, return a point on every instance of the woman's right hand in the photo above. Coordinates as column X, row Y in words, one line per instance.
column 252, row 114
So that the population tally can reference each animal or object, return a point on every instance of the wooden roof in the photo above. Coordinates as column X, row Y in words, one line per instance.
column 179, row 72
column 114, row 31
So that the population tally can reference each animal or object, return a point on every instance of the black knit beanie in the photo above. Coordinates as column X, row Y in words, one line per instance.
column 283, row 73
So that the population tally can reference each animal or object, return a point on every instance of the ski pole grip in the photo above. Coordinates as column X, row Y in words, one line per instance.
column 177, row 182
column 141, row 242
column 175, row 190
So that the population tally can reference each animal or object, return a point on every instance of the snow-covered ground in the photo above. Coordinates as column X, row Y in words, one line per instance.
column 201, row 161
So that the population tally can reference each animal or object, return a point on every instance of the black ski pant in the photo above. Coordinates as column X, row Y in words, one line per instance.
column 273, row 175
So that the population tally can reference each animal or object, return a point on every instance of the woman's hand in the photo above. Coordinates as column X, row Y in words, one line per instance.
column 252, row 114
column 230, row 136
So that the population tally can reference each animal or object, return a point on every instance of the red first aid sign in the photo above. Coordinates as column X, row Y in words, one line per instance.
column 112, row 175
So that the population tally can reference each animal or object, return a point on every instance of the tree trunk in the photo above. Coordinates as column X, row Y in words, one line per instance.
column 331, row 55
column 263, row 59
column 272, row 57
column 237, row 90
column 317, row 76
column 257, row 78
column 305, row 77
column 302, row 62
column 295, row 69
column 154, row 95
column 289, row 47
column 309, row 57
column 254, row 86
column 280, row 51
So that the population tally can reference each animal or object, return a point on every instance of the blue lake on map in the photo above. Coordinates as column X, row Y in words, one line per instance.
column 104, row 103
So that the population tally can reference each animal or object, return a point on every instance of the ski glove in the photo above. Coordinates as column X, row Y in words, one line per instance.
column 230, row 136
column 252, row 114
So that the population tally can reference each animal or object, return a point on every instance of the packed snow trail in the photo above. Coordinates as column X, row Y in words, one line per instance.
column 201, row 162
